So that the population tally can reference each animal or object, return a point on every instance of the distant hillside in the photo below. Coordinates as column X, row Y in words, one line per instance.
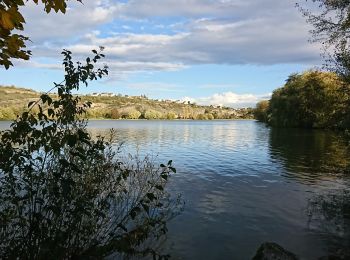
column 14, row 100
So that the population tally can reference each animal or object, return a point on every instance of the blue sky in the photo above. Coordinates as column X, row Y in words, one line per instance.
column 221, row 52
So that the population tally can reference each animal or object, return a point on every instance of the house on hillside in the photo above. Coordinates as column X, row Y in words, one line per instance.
column 105, row 94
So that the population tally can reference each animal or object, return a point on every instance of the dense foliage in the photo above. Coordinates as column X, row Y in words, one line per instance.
column 260, row 111
column 12, row 44
column 310, row 100
column 64, row 194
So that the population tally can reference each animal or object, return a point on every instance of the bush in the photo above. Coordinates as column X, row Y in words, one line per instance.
column 67, row 195
column 153, row 114
column 202, row 117
column 7, row 113
column 210, row 116
column 134, row 114
column 114, row 114
column 171, row 116
column 260, row 112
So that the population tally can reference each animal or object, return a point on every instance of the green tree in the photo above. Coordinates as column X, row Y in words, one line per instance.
column 12, row 44
column 260, row 111
column 312, row 100
column 332, row 29
column 65, row 194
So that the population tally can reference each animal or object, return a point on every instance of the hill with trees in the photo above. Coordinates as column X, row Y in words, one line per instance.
column 13, row 101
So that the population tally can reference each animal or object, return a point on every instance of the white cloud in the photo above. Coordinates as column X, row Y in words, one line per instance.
column 79, row 19
column 189, row 8
column 228, row 99
column 118, row 70
column 256, row 41
column 260, row 32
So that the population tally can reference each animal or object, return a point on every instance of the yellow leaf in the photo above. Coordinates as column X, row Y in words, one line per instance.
column 5, row 21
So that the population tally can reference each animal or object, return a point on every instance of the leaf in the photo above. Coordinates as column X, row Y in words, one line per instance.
column 71, row 140
column 31, row 103
column 60, row 91
column 145, row 207
column 50, row 112
column 64, row 162
column 6, row 21
column 151, row 196
column 159, row 187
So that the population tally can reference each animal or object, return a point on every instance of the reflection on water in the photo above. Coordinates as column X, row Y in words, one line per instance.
column 329, row 212
column 309, row 155
column 245, row 184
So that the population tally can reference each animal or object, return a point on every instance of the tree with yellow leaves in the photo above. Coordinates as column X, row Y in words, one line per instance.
column 12, row 45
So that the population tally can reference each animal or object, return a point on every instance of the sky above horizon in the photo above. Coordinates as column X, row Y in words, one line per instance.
column 220, row 52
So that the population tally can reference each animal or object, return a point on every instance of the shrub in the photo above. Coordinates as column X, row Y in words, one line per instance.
column 133, row 114
column 66, row 195
column 260, row 112
column 210, row 116
column 202, row 117
column 153, row 114
column 7, row 113
column 171, row 116
column 114, row 114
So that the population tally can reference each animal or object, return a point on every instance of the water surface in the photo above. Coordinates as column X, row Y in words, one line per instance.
column 245, row 184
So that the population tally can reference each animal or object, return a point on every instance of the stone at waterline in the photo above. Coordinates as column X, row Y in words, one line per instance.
column 273, row 251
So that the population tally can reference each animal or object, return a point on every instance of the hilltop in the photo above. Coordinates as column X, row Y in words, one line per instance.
column 14, row 100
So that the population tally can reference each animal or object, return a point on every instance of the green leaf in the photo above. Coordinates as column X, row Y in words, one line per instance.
column 145, row 207
column 151, row 196
column 50, row 112
column 159, row 187
column 71, row 140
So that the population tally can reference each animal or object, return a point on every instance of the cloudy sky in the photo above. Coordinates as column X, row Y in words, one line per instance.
column 228, row 52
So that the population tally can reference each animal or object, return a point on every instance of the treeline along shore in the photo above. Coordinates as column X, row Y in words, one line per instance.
column 312, row 99
column 13, row 102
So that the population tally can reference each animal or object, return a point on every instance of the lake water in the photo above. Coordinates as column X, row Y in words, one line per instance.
column 245, row 184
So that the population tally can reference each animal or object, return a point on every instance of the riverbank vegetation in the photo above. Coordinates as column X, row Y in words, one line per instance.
column 65, row 194
column 13, row 102
column 312, row 99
